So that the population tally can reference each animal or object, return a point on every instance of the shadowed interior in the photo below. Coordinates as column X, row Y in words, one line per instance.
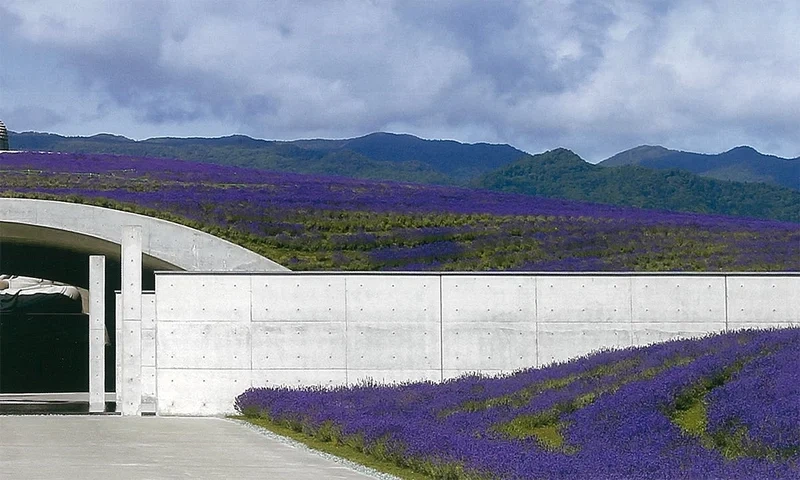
column 49, row 353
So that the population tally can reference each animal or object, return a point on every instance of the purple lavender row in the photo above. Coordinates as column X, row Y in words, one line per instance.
column 342, row 192
column 625, row 431
column 408, row 412
column 630, row 435
column 368, row 225
column 768, row 383
column 557, row 464
column 564, row 244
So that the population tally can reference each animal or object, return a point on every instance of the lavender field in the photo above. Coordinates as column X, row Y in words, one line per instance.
column 319, row 223
column 724, row 407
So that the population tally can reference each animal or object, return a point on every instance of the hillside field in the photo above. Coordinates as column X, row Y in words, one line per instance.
column 725, row 406
column 330, row 223
column 722, row 407
column 726, row 184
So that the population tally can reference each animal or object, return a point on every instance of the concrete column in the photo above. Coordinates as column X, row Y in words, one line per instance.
column 97, row 337
column 149, row 396
column 131, row 319
column 118, row 349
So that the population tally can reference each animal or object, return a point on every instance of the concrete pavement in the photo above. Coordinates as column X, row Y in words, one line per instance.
column 119, row 448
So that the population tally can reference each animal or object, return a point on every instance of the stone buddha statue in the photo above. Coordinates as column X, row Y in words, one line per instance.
column 3, row 137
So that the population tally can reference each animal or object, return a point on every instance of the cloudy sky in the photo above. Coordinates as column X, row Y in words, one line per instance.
column 597, row 77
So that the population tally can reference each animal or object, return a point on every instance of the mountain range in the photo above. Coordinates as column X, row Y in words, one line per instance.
column 741, row 181
column 383, row 156
column 561, row 173
column 741, row 164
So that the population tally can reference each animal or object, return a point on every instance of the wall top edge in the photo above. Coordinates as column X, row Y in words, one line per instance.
column 483, row 274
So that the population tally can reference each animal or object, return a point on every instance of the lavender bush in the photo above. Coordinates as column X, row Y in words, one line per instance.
column 607, row 415
column 772, row 429
column 312, row 223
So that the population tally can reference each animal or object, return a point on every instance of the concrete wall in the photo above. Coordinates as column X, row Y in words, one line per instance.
column 215, row 335
column 96, row 230
column 148, row 352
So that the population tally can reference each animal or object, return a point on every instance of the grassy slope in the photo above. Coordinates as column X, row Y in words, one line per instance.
column 339, row 449
column 687, row 409
column 407, row 158
column 324, row 223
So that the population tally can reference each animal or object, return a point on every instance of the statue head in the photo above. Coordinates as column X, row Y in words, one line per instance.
column 3, row 137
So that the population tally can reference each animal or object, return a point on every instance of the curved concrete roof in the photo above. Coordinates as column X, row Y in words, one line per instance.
column 97, row 230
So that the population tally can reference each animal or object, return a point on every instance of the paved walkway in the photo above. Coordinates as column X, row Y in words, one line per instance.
column 118, row 448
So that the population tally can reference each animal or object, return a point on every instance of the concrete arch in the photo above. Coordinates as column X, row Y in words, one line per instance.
column 87, row 229
column 54, row 240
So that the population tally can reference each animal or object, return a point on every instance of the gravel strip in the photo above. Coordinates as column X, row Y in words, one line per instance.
column 294, row 443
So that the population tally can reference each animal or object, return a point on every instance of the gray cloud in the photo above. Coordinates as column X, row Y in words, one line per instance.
column 38, row 115
column 594, row 76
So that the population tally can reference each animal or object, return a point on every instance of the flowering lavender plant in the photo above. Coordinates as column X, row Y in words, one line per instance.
column 313, row 223
column 608, row 415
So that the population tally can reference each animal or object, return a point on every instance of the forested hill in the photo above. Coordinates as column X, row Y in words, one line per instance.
column 381, row 156
column 741, row 164
column 405, row 158
column 462, row 161
column 562, row 174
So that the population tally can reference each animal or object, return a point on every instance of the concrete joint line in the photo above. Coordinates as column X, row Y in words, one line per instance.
column 441, row 332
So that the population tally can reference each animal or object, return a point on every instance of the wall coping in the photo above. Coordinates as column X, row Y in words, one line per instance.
column 490, row 274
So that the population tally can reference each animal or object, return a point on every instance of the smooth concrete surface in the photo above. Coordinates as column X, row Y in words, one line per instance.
column 558, row 342
column 490, row 345
column 282, row 300
column 200, row 391
column 204, row 298
column 131, row 337
column 285, row 345
column 148, row 345
column 218, row 334
column 583, row 299
column 480, row 299
column 96, row 230
column 119, row 448
column 647, row 333
column 148, row 351
column 387, row 299
column 118, row 342
column 695, row 299
column 97, row 326
column 752, row 299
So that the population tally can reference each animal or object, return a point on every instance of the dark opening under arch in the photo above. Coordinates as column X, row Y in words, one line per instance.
column 53, row 240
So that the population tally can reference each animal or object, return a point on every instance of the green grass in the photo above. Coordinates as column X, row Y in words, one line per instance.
column 549, row 436
column 691, row 415
column 522, row 397
column 543, row 426
column 332, row 446
column 547, row 427
column 692, row 419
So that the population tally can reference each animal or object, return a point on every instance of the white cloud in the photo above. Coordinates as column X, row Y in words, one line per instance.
column 594, row 76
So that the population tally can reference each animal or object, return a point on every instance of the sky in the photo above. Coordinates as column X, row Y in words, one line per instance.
column 597, row 77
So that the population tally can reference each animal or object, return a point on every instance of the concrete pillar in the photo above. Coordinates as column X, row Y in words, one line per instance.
column 131, row 334
column 149, row 396
column 97, row 336
column 118, row 349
